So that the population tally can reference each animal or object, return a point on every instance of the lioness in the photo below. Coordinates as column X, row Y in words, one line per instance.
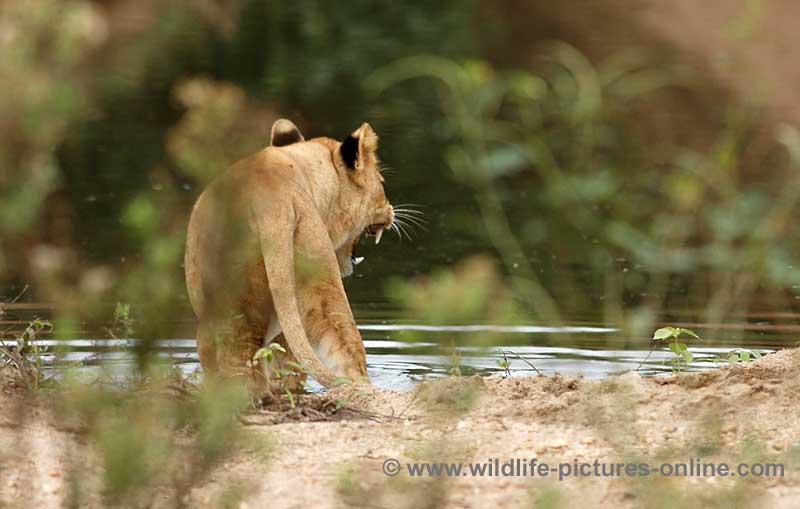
column 268, row 243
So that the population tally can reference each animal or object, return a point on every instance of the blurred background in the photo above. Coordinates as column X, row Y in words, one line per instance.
column 587, row 171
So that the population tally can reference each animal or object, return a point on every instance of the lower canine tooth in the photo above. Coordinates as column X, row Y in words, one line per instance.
column 357, row 260
column 378, row 236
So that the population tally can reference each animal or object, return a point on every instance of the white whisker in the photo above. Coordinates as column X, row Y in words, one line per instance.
column 412, row 220
column 394, row 228
column 407, row 228
column 403, row 230
column 414, row 212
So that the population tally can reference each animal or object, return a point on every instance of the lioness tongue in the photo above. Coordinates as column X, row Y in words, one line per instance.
column 378, row 236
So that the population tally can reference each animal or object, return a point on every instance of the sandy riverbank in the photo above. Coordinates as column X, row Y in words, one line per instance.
column 318, row 456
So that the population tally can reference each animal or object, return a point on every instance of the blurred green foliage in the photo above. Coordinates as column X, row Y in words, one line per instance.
column 40, row 98
column 562, row 180
column 113, row 118
column 471, row 290
column 113, row 127
column 150, row 438
column 115, row 115
column 122, row 112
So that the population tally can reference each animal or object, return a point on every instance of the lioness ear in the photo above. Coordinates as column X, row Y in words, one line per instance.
column 284, row 132
column 359, row 147
column 349, row 151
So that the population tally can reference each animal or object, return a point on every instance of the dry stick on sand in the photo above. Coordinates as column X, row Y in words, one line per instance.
column 652, row 348
column 523, row 359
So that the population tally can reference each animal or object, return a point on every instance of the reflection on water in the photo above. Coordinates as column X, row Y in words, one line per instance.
column 400, row 354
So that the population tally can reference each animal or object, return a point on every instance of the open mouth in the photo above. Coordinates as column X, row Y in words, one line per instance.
column 374, row 230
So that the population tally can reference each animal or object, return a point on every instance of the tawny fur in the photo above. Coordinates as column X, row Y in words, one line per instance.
column 267, row 246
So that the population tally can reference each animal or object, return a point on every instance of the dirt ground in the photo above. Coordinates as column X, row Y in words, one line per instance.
column 320, row 456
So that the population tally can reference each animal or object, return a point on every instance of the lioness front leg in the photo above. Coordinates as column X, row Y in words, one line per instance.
column 332, row 330
column 324, row 309
column 301, row 268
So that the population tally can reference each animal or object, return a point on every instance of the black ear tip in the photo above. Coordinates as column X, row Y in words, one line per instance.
column 349, row 151
column 282, row 139
column 284, row 132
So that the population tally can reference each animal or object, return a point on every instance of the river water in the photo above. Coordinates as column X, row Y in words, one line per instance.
column 401, row 352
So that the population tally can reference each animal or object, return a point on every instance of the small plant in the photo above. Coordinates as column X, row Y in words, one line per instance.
column 742, row 355
column 682, row 356
column 290, row 397
column 738, row 355
column 27, row 355
column 269, row 354
column 455, row 360
column 276, row 369
column 122, row 325
column 504, row 364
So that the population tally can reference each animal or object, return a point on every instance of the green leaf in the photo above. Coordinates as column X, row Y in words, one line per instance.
column 677, row 348
column 687, row 356
column 690, row 333
column 745, row 355
column 261, row 353
column 733, row 358
column 289, row 395
column 664, row 333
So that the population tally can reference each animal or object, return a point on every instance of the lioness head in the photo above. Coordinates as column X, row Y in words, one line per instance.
column 361, row 185
column 360, row 205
